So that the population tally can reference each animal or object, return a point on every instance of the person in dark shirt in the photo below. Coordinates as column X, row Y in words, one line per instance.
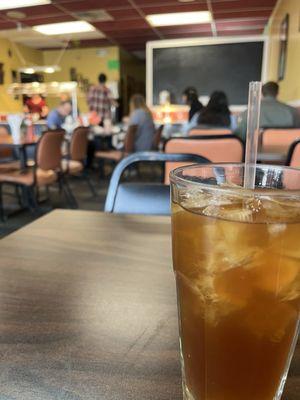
column 273, row 113
column 190, row 97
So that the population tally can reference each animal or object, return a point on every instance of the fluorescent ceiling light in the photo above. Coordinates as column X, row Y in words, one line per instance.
column 62, row 28
column 9, row 4
column 182, row 18
column 48, row 69
column 29, row 71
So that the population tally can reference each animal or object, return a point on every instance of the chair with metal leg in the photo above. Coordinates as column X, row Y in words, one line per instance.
column 45, row 172
column 73, row 165
column 143, row 198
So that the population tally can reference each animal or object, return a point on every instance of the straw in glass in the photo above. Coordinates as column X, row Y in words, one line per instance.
column 254, row 100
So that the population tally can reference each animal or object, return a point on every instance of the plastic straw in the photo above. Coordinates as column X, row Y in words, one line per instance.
column 254, row 100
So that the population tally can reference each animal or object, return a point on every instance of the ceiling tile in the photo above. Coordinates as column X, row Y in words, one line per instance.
column 242, row 4
column 241, row 32
column 242, row 14
column 126, row 14
column 48, row 20
column 241, row 23
column 185, row 29
column 93, row 4
column 47, row 9
column 121, row 25
column 179, row 7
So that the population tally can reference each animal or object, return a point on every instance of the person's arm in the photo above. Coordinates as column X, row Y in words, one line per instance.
column 241, row 130
column 45, row 111
column 52, row 121
column 191, row 124
column 130, row 139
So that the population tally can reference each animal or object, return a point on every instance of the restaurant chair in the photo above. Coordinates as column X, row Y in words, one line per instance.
column 114, row 156
column 206, row 132
column 143, row 198
column 73, row 164
column 157, row 138
column 7, row 157
column 45, row 172
column 278, row 140
column 216, row 148
column 293, row 157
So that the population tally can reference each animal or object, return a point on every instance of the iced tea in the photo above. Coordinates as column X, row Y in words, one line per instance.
column 237, row 268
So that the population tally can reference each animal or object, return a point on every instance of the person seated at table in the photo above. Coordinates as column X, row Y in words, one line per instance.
column 56, row 117
column 36, row 105
column 190, row 97
column 216, row 114
column 141, row 129
column 273, row 113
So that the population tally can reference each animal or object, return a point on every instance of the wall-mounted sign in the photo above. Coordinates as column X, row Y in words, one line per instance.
column 113, row 64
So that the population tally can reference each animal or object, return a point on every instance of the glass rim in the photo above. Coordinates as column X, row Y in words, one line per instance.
column 175, row 179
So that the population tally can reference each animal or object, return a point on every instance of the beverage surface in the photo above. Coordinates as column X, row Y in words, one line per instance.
column 237, row 267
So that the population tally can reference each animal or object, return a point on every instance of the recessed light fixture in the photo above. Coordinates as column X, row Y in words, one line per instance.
column 62, row 28
column 48, row 69
column 16, row 15
column 7, row 5
column 181, row 18
column 28, row 71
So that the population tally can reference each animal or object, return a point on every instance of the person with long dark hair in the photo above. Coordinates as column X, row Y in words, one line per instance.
column 216, row 114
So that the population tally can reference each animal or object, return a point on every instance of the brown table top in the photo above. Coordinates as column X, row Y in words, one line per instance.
column 88, row 310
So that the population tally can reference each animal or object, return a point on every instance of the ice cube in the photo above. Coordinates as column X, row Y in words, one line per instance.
column 269, row 319
column 274, row 274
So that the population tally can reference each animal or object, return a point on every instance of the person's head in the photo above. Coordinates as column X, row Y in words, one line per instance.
column 218, row 101
column 270, row 89
column 190, row 95
column 216, row 113
column 36, row 98
column 137, row 101
column 65, row 108
column 102, row 79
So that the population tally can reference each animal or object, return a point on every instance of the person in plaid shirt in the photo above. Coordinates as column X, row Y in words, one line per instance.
column 100, row 99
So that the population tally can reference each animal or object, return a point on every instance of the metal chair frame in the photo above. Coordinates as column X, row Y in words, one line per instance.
column 148, row 156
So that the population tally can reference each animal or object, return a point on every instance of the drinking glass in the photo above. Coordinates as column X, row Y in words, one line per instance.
column 236, row 258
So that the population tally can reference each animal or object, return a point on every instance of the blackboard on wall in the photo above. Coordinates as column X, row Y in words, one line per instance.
column 228, row 67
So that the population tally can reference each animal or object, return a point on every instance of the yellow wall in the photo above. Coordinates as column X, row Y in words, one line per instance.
column 290, row 85
column 19, row 55
column 87, row 63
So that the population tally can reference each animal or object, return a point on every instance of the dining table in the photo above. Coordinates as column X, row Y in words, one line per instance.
column 88, row 310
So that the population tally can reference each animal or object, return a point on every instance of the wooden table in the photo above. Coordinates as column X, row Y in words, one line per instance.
column 88, row 311
column 21, row 148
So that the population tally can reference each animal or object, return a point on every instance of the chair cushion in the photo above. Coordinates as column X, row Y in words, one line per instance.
column 142, row 198
column 27, row 178
column 10, row 166
column 71, row 166
column 115, row 155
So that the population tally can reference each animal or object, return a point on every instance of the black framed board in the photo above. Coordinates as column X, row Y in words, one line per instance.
column 226, row 66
